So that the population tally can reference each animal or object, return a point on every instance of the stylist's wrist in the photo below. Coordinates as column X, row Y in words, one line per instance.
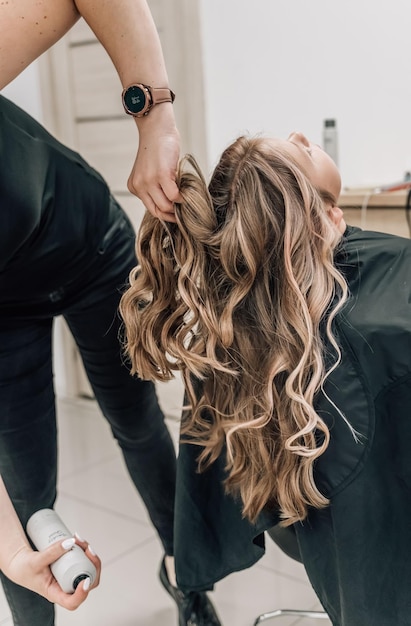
column 160, row 117
column 153, row 178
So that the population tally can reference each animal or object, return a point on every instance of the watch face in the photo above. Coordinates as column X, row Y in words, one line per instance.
column 134, row 99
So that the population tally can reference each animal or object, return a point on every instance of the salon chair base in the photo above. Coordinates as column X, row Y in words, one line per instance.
column 294, row 612
column 286, row 540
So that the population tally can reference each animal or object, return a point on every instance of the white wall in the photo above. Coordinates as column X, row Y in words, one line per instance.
column 25, row 91
column 274, row 66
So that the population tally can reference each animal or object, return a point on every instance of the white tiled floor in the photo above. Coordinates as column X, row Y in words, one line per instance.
column 97, row 499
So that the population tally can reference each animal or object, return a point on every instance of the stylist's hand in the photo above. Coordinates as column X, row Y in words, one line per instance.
column 31, row 569
column 153, row 178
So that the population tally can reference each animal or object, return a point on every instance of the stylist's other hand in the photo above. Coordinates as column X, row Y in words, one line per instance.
column 153, row 177
column 31, row 569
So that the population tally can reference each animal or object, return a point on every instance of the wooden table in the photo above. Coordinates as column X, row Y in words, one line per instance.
column 376, row 211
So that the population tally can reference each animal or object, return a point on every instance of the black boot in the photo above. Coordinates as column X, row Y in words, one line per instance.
column 194, row 608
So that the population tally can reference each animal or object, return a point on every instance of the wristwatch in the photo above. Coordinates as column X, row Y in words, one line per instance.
column 139, row 99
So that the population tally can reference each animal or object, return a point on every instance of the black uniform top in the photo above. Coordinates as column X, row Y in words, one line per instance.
column 357, row 550
column 53, row 206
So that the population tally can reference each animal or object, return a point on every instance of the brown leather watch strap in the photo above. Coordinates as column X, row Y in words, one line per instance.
column 161, row 94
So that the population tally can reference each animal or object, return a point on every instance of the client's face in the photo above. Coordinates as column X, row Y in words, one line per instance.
column 316, row 164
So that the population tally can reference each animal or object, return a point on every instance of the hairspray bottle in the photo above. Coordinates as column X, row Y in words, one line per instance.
column 44, row 528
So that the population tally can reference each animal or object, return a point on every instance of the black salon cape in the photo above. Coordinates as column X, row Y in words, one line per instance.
column 357, row 551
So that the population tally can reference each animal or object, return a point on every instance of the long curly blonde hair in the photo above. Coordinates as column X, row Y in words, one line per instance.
column 240, row 295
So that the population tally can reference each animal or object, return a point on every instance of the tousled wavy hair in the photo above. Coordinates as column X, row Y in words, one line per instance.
column 240, row 295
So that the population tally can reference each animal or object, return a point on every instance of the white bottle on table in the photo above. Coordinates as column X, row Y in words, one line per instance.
column 330, row 139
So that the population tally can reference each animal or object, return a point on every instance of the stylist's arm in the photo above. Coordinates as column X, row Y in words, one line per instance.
column 127, row 31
